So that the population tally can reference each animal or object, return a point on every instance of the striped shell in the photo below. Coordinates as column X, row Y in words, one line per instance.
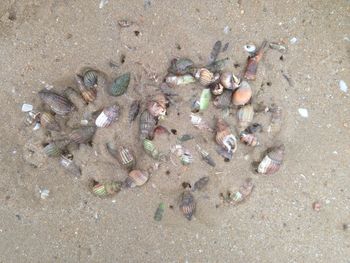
column 204, row 76
column 180, row 80
column 107, row 116
column 186, row 158
column 58, row 103
column 88, row 94
column 216, row 88
column 70, row 166
column 90, row 78
column 248, row 138
column 82, row 135
column 224, row 100
column 52, row 150
column 243, row 94
column 134, row 110
column 136, row 178
column 224, row 137
column 245, row 116
column 106, row 189
column 120, row 85
column 272, row 161
column 150, row 149
column 147, row 125
column 187, row 204
column 47, row 121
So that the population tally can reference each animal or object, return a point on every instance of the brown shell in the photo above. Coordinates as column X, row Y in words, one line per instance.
column 136, row 178
column 161, row 100
column 204, row 76
column 252, row 63
column 245, row 115
column 88, row 94
column 147, row 125
column 216, row 89
column 272, row 161
column 187, row 204
column 243, row 94
column 47, row 121
column 248, row 138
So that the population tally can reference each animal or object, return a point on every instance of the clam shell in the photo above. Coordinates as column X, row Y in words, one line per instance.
column 47, row 121
column 200, row 184
column 107, row 116
column 204, row 76
column 224, row 100
column 187, row 204
column 82, row 135
column 272, row 161
column 52, row 150
column 245, row 115
column 150, row 149
column 226, row 79
column 70, row 166
column 136, row 178
column 58, row 103
column 243, row 94
column 147, row 125
column 120, row 85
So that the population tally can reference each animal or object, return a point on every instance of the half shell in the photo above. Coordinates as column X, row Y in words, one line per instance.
column 243, row 94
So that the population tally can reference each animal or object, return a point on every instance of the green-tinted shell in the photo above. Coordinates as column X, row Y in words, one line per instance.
column 90, row 78
column 48, row 121
column 52, row 150
column 204, row 100
column 120, row 85
column 106, row 189
column 150, row 149
column 158, row 215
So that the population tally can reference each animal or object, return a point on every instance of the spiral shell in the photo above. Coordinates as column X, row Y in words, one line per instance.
column 107, row 116
column 47, row 121
column 245, row 115
column 88, row 94
column 204, row 76
column 120, row 85
column 224, row 137
column 248, row 138
column 107, row 188
column 52, row 150
column 134, row 110
column 90, row 78
column 124, row 156
column 147, row 125
column 224, row 100
column 272, row 161
column 216, row 88
column 58, row 103
column 82, row 135
column 136, row 178
column 243, row 94
column 150, row 149
column 187, row 205
column 70, row 166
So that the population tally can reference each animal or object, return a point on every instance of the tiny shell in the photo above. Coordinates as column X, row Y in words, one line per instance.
column 107, row 188
column 70, row 166
column 107, row 116
column 120, row 85
column 201, row 183
column 147, row 125
column 216, row 89
column 155, row 109
column 245, row 115
column 27, row 107
column 90, row 78
column 243, row 94
column 199, row 123
column 224, row 100
column 150, row 149
column 58, row 103
column 124, row 23
column 187, row 204
column 31, row 117
column 272, row 161
column 224, row 137
column 204, row 76
column 136, row 178
column 82, row 135
column 205, row 156
column 248, row 138
column 48, row 121
column 186, row 158
column 250, row 48
column 52, row 150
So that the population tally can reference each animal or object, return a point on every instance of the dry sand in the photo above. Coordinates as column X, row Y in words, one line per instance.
column 45, row 42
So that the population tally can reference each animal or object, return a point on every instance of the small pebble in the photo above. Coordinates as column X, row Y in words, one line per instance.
column 227, row 29
column 342, row 85
column 293, row 40
column 303, row 112
column 27, row 107
column 316, row 206
column 37, row 126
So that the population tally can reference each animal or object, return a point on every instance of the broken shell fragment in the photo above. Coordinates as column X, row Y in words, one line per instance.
column 147, row 125
column 120, row 85
column 253, row 61
column 136, row 178
column 204, row 76
column 200, row 184
column 70, row 166
column 248, row 138
column 107, row 116
column 52, row 150
column 155, row 109
column 187, row 204
column 224, row 100
column 150, row 149
column 272, row 161
column 241, row 195
column 58, row 103
column 31, row 117
column 181, row 66
column 205, row 156
column 180, row 80
column 106, row 189
column 243, row 94
column 204, row 99
column 47, row 121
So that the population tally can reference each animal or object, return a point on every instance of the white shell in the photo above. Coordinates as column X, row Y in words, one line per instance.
column 250, row 48
column 264, row 164
column 27, row 107
column 196, row 120
column 102, row 120
column 303, row 112
column 343, row 87
column 293, row 40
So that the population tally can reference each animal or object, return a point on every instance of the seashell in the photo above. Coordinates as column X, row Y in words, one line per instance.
column 224, row 137
column 70, row 166
column 150, row 149
column 253, row 61
column 279, row 47
column 47, row 120
column 107, row 116
column 195, row 105
column 124, row 23
column 250, row 48
column 199, row 123
column 90, row 78
column 186, row 158
column 181, row 66
column 161, row 100
column 204, row 76
column 107, row 188
column 136, row 178
column 160, row 130
column 187, row 204
column 216, row 88
column 224, row 153
column 155, row 109
column 134, row 110
column 147, row 125
column 254, row 128
column 124, row 156
column 200, row 184
column 180, row 80
column 58, row 103
column 158, row 215
column 272, row 161
column 204, row 99
column 224, row 100
column 88, row 94
column 82, row 135
column 205, row 156
column 245, row 116
column 52, row 150
column 242, row 95
column 242, row 194
column 248, row 138
column 120, row 85
column 226, row 79
column 276, row 119
column 31, row 117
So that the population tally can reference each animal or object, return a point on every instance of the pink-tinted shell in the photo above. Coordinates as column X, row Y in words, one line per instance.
column 272, row 161
column 107, row 116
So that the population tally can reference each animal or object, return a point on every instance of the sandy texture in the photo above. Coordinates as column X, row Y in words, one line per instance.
column 44, row 42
